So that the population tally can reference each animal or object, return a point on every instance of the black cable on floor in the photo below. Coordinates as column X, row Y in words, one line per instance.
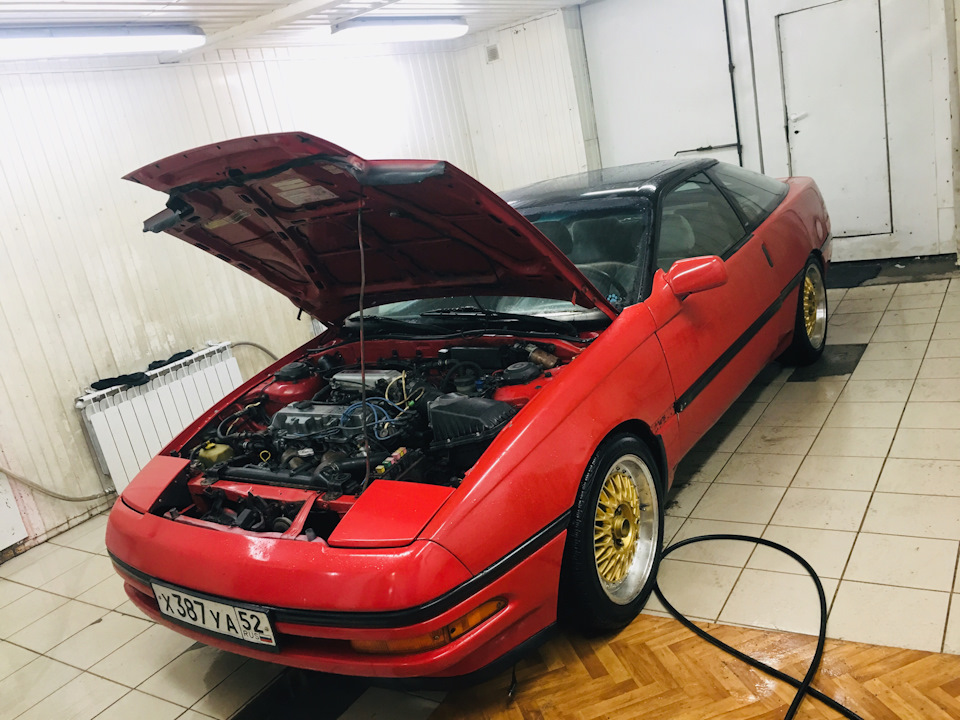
column 803, row 686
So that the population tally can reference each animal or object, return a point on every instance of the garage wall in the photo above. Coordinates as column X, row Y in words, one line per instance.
column 84, row 295
column 657, row 67
column 524, row 116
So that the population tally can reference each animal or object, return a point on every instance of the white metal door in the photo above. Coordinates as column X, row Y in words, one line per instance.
column 832, row 65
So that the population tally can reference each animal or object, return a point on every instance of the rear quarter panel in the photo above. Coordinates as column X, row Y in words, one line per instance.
column 530, row 474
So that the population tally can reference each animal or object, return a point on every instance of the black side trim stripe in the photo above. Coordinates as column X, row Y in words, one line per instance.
column 396, row 618
column 731, row 352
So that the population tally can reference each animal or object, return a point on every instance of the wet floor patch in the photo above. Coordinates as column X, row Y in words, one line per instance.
column 303, row 695
column 836, row 360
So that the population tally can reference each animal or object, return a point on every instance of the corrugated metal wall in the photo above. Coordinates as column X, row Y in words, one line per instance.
column 84, row 295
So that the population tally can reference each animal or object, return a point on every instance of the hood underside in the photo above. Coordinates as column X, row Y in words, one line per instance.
column 285, row 209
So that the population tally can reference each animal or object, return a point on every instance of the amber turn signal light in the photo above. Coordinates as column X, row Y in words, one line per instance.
column 437, row 638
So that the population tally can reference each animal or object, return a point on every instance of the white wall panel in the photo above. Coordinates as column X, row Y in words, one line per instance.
column 522, row 109
column 84, row 295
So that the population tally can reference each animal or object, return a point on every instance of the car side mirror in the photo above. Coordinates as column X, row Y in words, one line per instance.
column 693, row 275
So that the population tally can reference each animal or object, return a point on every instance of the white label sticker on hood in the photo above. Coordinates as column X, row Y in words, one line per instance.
column 291, row 184
column 231, row 219
column 309, row 194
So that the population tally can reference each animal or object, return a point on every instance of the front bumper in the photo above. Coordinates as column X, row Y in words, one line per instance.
column 410, row 592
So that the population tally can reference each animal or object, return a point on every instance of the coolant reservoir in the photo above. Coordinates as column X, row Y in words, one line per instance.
column 212, row 453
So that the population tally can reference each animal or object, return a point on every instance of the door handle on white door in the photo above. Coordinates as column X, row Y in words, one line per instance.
column 797, row 117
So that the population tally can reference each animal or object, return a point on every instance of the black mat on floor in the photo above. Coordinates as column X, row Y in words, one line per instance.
column 854, row 274
column 303, row 695
column 836, row 360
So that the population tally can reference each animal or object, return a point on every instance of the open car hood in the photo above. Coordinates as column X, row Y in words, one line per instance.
column 284, row 208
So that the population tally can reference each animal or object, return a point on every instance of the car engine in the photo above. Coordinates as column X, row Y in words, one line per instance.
column 332, row 427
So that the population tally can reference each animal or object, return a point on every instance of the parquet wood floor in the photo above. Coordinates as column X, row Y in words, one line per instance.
column 657, row 670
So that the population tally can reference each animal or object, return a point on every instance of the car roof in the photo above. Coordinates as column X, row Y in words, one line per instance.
column 645, row 179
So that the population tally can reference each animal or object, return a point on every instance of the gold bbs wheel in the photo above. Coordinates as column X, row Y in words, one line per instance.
column 814, row 302
column 626, row 528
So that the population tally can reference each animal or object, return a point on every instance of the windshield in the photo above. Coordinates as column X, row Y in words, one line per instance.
column 603, row 236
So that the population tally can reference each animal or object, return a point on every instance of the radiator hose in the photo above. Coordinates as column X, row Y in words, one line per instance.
column 803, row 686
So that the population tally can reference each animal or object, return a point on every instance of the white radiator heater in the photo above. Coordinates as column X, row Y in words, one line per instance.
column 127, row 427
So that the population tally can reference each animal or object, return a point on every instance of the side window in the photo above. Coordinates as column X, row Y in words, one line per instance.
column 696, row 219
column 755, row 195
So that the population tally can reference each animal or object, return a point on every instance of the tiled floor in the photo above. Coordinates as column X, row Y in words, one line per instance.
column 859, row 473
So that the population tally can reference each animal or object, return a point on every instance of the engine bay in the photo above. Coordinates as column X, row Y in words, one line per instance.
column 293, row 453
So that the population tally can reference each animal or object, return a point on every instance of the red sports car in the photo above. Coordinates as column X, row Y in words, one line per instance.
column 483, row 439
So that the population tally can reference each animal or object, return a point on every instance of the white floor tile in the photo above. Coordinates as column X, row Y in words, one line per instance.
column 795, row 414
column 876, row 391
column 939, row 369
column 902, row 333
column 31, row 684
column 686, row 498
column 926, row 444
column 192, row 675
column 920, row 477
column 83, row 698
column 946, row 331
column 949, row 312
column 865, row 415
column 922, row 563
column 700, row 466
column 910, row 302
column 777, row 601
column 884, row 615
column 863, row 305
column 68, row 537
column 841, row 335
column 140, row 658
column 96, row 641
column 48, row 567
column 826, row 550
column 954, row 286
column 951, row 640
column 904, row 350
column 13, row 657
column 129, row 608
column 237, row 690
column 384, row 704
column 10, row 591
column 89, row 572
column 810, row 392
column 55, row 627
column 107, row 594
column 779, row 440
column 827, row 509
column 742, row 413
column 695, row 589
column 671, row 526
column 716, row 552
column 932, row 415
column 738, row 503
column 28, row 609
column 722, row 438
column 835, row 295
column 915, row 515
column 940, row 390
column 838, row 473
column 909, row 317
column 136, row 705
column 943, row 349
column 853, row 442
column 886, row 370
column 922, row 288
column 760, row 469
column 26, row 559
column 870, row 291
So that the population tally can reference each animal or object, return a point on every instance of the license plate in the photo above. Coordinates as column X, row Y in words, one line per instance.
column 250, row 626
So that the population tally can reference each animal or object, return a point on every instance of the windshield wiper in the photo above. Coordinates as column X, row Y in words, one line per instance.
column 381, row 321
column 481, row 313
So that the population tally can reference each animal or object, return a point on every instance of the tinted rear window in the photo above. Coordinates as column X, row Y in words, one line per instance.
column 755, row 195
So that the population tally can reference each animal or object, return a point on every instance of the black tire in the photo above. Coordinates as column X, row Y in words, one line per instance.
column 810, row 324
column 590, row 597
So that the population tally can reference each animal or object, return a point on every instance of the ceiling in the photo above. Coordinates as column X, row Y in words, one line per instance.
column 258, row 23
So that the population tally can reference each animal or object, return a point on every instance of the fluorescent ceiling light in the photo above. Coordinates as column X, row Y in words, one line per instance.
column 400, row 29
column 33, row 43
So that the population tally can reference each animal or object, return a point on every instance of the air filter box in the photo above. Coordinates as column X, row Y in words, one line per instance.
column 459, row 420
